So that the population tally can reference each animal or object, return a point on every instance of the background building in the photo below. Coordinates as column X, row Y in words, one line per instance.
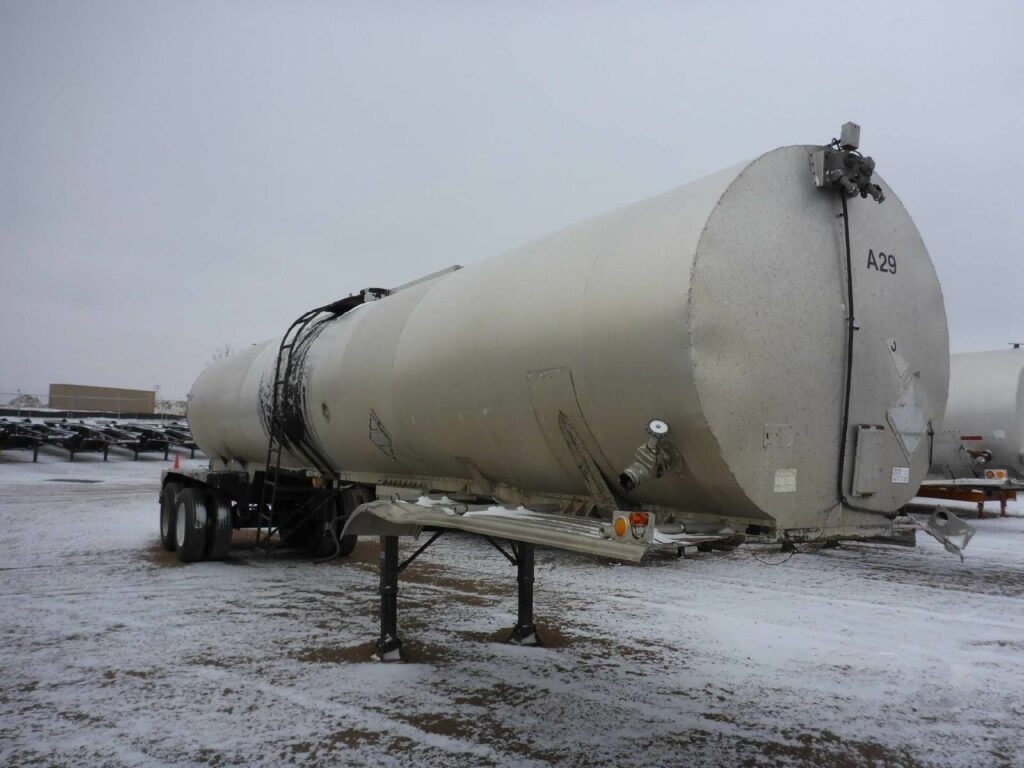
column 78, row 397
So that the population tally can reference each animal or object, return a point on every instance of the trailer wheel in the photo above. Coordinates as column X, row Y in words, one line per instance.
column 319, row 538
column 168, row 509
column 218, row 513
column 190, row 526
column 326, row 527
column 346, row 544
column 352, row 498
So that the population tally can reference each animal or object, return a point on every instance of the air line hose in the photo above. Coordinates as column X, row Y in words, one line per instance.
column 851, row 328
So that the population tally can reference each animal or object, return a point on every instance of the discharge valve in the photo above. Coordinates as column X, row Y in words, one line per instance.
column 649, row 460
column 840, row 166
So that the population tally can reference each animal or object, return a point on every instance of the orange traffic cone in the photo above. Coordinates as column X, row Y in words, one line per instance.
column 177, row 461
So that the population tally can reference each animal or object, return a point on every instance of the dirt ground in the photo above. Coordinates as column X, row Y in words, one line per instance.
column 113, row 653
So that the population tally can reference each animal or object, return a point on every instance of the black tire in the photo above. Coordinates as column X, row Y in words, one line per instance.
column 320, row 540
column 168, row 512
column 346, row 544
column 318, row 534
column 190, row 526
column 352, row 498
column 219, row 527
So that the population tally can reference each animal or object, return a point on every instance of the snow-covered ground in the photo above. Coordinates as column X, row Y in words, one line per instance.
column 112, row 653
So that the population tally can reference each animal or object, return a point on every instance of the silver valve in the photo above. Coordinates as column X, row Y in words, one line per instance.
column 648, row 461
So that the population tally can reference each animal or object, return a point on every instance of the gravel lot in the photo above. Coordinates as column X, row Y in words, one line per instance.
column 115, row 654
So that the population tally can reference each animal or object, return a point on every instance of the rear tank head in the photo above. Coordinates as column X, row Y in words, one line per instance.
column 819, row 319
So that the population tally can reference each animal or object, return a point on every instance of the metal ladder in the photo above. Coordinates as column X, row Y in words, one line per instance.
column 278, row 437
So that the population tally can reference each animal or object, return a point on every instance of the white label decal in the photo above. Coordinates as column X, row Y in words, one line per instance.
column 901, row 475
column 999, row 434
column 785, row 481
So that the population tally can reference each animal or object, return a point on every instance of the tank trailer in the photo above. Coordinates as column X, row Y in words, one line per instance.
column 761, row 354
column 978, row 455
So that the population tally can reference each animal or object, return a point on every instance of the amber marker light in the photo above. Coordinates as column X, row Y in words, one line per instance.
column 620, row 526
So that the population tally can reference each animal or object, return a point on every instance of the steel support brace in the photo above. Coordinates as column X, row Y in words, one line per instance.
column 437, row 535
column 389, row 647
column 511, row 558
column 524, row 632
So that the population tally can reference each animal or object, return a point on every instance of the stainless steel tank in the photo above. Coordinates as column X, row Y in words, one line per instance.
column 719, row 308
column 984, row 424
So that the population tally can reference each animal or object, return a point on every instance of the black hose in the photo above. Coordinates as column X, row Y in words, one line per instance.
column 851, row 327
column 334, row 540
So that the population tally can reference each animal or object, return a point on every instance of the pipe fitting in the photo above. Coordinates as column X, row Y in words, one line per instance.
column 648, row 461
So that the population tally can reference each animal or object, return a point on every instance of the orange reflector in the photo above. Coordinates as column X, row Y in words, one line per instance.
column 638, row 518
column 620, row 526
column 1001, row 474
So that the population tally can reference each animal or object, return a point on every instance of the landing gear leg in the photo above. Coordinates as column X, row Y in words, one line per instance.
column 389, row 647
column 525, row 631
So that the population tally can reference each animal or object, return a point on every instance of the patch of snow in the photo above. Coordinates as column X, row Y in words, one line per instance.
column 115, row 654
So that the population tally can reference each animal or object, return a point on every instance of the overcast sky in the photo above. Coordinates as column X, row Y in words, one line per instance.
column 177, row 176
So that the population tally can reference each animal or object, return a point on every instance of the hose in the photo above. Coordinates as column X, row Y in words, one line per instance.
column 851, row 327
column 334, row 540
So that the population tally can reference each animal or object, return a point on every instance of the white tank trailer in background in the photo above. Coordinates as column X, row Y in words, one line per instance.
column 760, row 353
column 978, row 455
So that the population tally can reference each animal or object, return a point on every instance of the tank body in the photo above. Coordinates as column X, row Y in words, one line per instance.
column 719, row 307
column 984, row 424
